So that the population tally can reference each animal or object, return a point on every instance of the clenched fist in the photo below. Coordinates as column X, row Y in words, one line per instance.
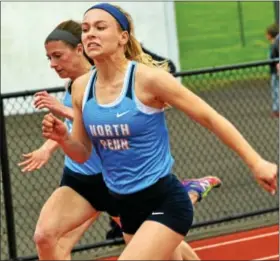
column 53, row 128
column 266, row 174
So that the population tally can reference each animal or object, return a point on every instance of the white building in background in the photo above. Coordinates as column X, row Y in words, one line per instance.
column 24, row 27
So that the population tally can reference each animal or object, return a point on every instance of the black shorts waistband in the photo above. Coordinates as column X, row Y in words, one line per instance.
column 160, row 187
column 81, row 176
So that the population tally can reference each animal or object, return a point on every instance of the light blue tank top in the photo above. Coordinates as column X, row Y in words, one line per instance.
column 93, row 165
column 130, row 138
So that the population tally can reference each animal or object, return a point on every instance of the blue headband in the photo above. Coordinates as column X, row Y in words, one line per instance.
column 115, row 12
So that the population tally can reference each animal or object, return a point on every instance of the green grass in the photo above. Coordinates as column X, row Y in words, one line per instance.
column 209, row 33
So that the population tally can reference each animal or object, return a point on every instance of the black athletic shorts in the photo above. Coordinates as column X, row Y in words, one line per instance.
column 165, row 202
column 92, row 188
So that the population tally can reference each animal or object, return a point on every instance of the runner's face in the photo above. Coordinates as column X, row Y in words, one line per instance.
column 62, row 58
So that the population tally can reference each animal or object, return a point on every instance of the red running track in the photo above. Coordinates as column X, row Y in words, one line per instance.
column 256, row 244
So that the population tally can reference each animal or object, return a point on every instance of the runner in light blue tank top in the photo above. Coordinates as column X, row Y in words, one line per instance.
column 151, row 201
column 82, row 194
column 131, row 138
column 84, row 180
column 80, row 183
column 131, row 134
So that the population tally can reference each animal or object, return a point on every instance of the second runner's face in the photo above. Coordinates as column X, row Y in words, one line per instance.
column 62, row 58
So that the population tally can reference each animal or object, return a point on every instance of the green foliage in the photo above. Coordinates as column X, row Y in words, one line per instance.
column 209, row 33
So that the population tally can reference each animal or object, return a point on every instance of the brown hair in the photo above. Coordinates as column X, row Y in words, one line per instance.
column 75, row 29
column 71, row 27
column 273, row 30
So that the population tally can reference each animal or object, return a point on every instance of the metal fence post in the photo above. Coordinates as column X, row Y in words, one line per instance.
column 241, row 23
column 7, row 186
column 276, row 11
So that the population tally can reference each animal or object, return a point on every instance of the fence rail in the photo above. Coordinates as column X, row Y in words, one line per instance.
column 239, row 92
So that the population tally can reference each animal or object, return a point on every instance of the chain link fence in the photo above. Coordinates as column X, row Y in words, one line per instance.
column 240, row 93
